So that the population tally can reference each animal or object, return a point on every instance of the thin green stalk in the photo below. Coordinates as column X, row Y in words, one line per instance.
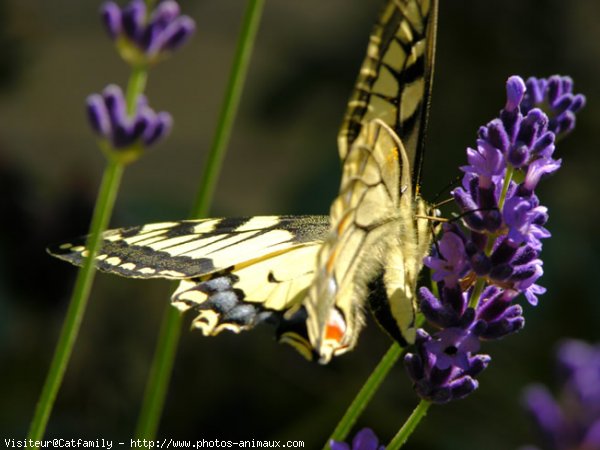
column 64, row 348
column 507, row 178
column 212, row 167
column 162, row 364
column 135, row 86
column 476, row 294
column 481, row 282
column 409, row 426
column 160, row 373
column 111, row 180
column 365, row 394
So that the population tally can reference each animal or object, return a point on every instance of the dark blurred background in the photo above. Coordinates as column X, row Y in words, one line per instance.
column 282, row 159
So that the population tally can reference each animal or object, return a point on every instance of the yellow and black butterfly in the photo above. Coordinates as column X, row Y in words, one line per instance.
column 313, row 276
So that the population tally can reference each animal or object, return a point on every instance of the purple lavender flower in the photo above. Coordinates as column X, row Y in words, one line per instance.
column 365, row 439
column 480, row 271
column 555, row 95
column 109, row 119
column 443, row 368
column 573, row 422
column 143, row 36
column 452, row 262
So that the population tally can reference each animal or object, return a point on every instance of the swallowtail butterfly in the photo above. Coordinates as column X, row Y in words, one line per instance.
column 314, row 276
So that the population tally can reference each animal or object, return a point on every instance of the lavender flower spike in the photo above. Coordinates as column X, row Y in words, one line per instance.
column 146, row 37
column 365, row 439
column 481, row 269
column 123, row 133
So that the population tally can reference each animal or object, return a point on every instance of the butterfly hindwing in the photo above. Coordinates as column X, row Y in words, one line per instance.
column 238, row 297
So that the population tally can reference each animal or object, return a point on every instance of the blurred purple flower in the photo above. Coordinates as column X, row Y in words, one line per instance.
column 365, row 439
column 108, row 117
column 573, row 422
column 146, row 36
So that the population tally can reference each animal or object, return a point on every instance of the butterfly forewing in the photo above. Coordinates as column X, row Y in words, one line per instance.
column 394, row 81
column 192, row 248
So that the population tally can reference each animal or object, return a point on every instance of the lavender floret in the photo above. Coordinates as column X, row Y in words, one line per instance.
column 365, row 439
column 145, row 37
column 109, row 119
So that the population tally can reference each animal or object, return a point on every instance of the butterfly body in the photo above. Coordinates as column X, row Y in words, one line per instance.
column 314, row 276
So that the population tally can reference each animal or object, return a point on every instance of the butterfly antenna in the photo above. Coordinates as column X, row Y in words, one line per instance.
column 452, row 184
column 466, row 213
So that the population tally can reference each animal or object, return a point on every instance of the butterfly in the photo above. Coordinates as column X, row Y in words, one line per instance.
column 314, row 277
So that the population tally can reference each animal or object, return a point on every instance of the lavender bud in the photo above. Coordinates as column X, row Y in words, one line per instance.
column 178, row 33
column 134, row 16
column 111, row 17
column 98, row 114
column 515, row 90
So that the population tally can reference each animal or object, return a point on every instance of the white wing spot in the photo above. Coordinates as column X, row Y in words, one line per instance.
column 113, row 261
column 181, row 306
column 158, row 226
column 206, row 226
column 171, row 273
column 259, row 222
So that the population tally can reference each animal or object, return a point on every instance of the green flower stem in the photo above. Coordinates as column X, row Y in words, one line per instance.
column 365, row 394
column 162, row 364
column 105, row 202
column 476, row 294
column 233, row 94
column 481, row 282
column 160, row 373
column 135, row 86
column 102, row 212
column 409, row 426
column 509, row 174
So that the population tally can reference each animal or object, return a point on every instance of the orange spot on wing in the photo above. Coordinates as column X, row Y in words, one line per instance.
column 334, row 332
